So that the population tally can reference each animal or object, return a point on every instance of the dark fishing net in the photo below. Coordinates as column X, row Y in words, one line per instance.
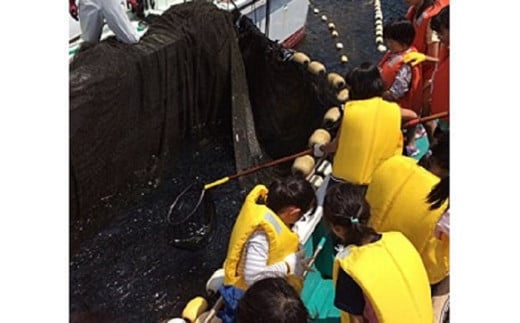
column 286, row 104
column 132, row 105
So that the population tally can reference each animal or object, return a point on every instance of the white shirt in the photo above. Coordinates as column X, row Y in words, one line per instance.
column 254, row 260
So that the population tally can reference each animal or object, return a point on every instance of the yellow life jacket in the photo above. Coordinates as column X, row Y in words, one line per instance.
column 397, row 198
column 392, row 278
column 370, row 133
column 254, row 217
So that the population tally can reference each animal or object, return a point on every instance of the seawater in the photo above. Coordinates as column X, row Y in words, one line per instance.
column 130, row 270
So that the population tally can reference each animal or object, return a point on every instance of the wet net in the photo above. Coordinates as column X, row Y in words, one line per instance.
column 132, row 105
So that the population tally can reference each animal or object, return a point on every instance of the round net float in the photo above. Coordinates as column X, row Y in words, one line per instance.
column 331, row 25
column 316, row 68
column 320, row 137
column 339, row 45
column 379, row 33
column 336, row 80
column 194, row 308
column 334, row 33
column 342, row 95
column 381, row 48
column 332, row 115
column 379, row 15
column 301, row 58
column 316, row 10
column 324, row 18
column 379, row 39
column 378, row 18
column 379, row 27
column 303, row 165
column 343, row 58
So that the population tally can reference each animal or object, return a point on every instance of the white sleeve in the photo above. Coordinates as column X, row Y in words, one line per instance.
column 256, row 255
column 119, row 23
column 443, row 225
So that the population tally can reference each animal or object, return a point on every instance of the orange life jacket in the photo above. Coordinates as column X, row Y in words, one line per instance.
column 440, row 96
column 389, row 65
column 420, row 24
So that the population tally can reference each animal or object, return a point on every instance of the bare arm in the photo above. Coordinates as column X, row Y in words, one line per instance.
column 407, row 115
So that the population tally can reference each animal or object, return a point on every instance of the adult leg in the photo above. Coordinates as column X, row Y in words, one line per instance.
column 119, row 22
column 90, row 20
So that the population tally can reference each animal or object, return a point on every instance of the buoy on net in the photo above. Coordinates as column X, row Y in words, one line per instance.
column 342, row 96
column 303, row 165
column 332, row 115
column 336, row 80
column 316, row 68
column 301, row 58
column 319, row 136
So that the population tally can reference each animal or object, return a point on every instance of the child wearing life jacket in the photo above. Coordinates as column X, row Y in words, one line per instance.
column 426, row 41
column 437, row 97
column 370, row 130
column 403, row 82
column 440, row 89
column 271, row 300
column 378, row 277
column 262, row 243
column 397, row 197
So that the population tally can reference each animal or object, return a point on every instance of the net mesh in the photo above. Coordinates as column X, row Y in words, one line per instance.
column 132, row 105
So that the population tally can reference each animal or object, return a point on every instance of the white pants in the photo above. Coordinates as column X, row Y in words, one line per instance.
column 93, row 12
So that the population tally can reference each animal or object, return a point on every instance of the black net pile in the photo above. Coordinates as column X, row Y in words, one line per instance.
column 287, row 104
column 131, row 105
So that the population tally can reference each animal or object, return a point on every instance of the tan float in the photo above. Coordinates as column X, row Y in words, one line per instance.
column 332, row 115
column 336, row 80
column 319, row 136
column 331, row 26
column 334, row 33
column 342, row 96
column 343, row 58
column 316, row 68
column 301, row 58
column 303, row 165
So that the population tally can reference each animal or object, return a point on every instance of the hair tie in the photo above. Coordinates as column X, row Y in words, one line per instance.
column 355, row 219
